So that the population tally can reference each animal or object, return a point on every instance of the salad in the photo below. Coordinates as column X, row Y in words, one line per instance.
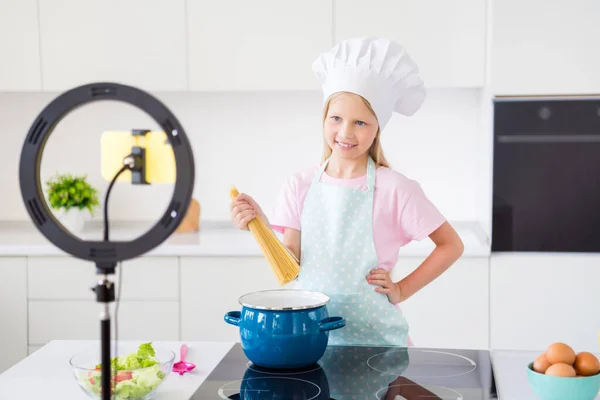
column 134, row 375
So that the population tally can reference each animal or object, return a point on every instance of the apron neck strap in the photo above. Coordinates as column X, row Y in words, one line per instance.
column 317, row 178
column 371, row 172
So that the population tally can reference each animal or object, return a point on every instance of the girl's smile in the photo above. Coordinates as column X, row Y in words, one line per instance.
column 344, row 146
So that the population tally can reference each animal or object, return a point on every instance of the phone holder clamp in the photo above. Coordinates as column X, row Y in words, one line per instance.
column 137, row 160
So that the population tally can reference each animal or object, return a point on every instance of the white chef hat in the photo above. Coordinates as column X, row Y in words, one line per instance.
column 377, row 69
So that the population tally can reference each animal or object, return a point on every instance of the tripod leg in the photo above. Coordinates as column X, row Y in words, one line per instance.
column 105, row 343
column 105, row 294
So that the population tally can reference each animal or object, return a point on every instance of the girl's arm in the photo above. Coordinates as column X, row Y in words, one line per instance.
column 448, row 248
column 291, row 240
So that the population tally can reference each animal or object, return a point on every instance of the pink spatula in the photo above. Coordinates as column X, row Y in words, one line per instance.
column 182, row 366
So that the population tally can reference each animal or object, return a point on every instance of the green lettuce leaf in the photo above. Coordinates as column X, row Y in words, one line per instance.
column 142, row 358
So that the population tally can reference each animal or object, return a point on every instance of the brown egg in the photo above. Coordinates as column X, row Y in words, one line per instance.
column 586, row 364
column 560, row 353
column 541, row 363
column 561, row 369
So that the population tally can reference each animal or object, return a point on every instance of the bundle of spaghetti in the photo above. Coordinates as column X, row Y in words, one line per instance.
column 283, row 263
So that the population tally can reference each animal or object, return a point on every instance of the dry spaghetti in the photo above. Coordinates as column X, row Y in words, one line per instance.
column 283, row 263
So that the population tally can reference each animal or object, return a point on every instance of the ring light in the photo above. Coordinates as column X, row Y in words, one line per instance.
column 29, row 174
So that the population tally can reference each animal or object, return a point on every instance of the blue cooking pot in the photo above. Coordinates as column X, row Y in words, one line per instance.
column 284, row 328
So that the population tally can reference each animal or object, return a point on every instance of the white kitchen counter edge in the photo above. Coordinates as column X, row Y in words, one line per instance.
column 215, row 239
column 46, row 373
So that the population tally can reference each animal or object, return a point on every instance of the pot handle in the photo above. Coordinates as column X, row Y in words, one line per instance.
column 332, row 323
column 233, row 318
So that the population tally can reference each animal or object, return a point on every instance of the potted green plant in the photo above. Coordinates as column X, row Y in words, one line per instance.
column 74, row 198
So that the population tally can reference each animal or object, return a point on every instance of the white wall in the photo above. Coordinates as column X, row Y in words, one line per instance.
column 254, row 140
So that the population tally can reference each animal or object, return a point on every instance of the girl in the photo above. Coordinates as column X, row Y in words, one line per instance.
column 346, row 219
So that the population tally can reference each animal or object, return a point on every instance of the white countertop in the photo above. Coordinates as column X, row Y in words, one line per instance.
column 46, row 374
column 215, row 238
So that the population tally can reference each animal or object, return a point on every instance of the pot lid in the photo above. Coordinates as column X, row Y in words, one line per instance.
column 288, row 299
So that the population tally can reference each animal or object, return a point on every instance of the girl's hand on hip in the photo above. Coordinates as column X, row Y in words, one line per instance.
column 244, row 209
column 381, row 277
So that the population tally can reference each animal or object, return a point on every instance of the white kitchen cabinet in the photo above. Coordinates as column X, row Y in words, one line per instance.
column 445, row 38
column 19, row 46
column 543, row 47
column 256, row 45
column 69, row 278
column 62, row 305
column 132, row 42
column 453, row 310
column 80, row 320
column 539, row 299
column 13, row 311
column 211, row 287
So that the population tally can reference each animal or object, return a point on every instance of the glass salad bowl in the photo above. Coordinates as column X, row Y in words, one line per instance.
column 136, row 372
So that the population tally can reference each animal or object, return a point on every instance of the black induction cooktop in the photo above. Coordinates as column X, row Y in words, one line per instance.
column 355, row 372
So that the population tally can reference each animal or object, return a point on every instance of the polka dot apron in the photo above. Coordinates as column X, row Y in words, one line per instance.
column 337, row 253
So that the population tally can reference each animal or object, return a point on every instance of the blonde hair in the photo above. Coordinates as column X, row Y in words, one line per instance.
column 375, row 151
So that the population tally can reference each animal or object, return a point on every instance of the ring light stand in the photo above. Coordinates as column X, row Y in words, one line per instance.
column 106, row 254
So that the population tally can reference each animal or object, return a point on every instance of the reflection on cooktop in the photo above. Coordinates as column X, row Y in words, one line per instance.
column 355, row 372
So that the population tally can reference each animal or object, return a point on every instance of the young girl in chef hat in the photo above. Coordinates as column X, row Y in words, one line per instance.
column 347, row 218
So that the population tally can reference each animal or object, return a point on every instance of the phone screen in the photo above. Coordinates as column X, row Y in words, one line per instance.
column 160, row 159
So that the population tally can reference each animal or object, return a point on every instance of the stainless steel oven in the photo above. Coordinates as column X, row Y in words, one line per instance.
column 546, row 175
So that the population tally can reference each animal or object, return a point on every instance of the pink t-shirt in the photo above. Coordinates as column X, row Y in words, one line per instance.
column 401, row 210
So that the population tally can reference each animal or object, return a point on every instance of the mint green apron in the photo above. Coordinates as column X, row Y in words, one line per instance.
column 337, row 253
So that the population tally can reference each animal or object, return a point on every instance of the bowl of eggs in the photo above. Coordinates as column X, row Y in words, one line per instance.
column 559, row 373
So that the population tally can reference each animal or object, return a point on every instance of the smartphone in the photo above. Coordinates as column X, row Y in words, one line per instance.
column 160, row 159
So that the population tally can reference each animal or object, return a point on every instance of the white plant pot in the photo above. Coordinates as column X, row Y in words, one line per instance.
column 74, row 219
